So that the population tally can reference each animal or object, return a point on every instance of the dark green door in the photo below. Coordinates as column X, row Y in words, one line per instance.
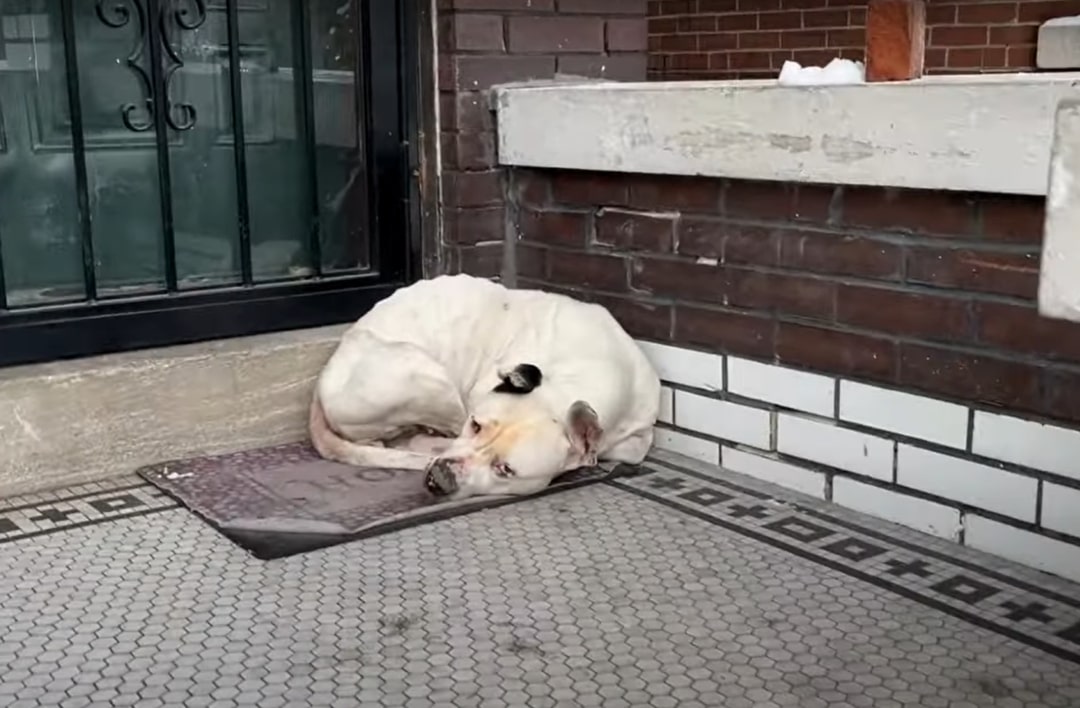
column 192, row 156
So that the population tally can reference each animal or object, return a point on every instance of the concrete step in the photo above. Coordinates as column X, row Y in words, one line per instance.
column 72, row 422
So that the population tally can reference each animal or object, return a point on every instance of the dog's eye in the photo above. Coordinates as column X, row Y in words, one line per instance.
column 474, row 426
column 504, row 470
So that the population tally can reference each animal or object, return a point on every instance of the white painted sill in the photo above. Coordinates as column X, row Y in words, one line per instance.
column 986, row 133
column 1059, row 275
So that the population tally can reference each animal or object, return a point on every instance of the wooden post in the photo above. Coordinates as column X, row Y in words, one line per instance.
column 895, row 39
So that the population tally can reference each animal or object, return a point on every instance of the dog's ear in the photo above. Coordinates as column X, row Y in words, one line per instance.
column 521, row 380
column 584, row 429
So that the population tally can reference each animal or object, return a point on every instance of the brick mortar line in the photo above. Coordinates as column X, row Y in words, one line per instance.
column 532, row 13
column 882, row 283
column 779, row 317
column 897, row 388
column 503, row 54
column 943, row 242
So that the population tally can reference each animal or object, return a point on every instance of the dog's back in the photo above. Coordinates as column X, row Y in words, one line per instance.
column 472, row 326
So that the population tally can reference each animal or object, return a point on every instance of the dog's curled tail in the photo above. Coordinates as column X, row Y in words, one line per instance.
column 327, row 443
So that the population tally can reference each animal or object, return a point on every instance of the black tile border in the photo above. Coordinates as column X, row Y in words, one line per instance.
column 1042, row 619
column 892, row 540
column 75, row 511
column 72, row 497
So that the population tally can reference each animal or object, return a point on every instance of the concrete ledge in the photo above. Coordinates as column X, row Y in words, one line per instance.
column 987, row 133
column 70, row 422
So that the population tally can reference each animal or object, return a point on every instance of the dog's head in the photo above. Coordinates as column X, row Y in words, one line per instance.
column 513, row 443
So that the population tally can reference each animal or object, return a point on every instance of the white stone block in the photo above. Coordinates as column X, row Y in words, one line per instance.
column 967, row 482
column 688, row 445
column 1061, row 509
column 827, row 443
column 723, row 419
column 904, row 413
column 1025, row 547
column 772, row 470
column 785, row 387
column 685, row 366
column 920, row 514
column 1023, row 442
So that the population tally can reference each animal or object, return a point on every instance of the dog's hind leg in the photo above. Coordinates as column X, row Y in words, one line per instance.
column 372, row 392
column 632, row 449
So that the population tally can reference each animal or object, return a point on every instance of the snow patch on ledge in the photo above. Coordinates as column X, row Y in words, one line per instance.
column 838, row 72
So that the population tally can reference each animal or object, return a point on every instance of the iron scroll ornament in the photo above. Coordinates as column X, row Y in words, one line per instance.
column 172, row 16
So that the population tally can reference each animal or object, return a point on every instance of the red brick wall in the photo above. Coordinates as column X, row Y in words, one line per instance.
column 729, row 39
column 932, row 291
column 487, row 42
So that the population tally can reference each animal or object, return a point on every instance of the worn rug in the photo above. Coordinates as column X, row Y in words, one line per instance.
column 282, row 500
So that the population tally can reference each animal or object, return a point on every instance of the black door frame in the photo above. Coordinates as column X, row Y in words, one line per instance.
column 399, row 129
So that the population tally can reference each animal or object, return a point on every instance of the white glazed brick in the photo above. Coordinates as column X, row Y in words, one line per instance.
column 1024, row 442
column 688, row 445
column 1032, row 549
column 784, row 387
column 685, row 366
column 904, row 413
column 967, row 482
column 926, row 516
column 723, row 419
column 827, row 443
column 1061, row 509
column 667, row 406
column 770, row 470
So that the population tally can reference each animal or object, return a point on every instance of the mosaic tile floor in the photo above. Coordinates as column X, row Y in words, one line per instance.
column 681, row 586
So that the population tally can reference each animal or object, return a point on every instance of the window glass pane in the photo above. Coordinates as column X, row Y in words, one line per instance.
column 339, row 153
column 279, row 187
column 203, row 167
column 39, row 236
column 121, row 149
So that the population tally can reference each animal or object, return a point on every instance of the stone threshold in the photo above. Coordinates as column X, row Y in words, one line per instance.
column 72, row 422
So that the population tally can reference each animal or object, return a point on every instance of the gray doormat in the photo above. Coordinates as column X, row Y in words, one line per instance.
column 283, row 500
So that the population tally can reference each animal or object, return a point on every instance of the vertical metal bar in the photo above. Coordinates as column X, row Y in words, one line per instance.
column 302, row 72
column 418, row 108
column 239, row 142
column 386, row 146
column 78, row 148
column 3, row 286
column 155, row 19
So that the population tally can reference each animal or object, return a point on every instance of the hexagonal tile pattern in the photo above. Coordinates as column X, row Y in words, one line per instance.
column 596, row 597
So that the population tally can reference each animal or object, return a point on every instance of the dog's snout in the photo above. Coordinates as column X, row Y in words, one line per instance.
column 441, row 480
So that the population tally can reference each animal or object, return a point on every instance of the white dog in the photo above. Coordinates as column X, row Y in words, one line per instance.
column 487, row 389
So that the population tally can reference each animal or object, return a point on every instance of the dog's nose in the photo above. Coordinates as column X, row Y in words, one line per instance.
column 441, row 480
